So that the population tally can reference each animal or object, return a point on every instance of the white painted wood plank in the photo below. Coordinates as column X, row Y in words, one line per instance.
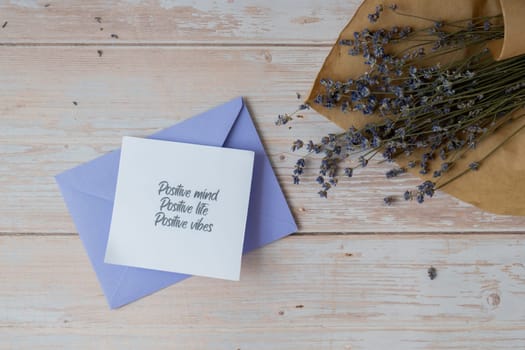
column 303, row 292
column 174, row 21
column 135, row 91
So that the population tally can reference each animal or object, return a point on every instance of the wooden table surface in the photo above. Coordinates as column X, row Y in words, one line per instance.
column 76, row 76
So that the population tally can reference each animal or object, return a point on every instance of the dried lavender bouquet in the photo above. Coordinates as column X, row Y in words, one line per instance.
column 433, row 107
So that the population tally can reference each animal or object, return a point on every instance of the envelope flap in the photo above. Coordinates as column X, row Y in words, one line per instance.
column 210, row 128
column 98, row 178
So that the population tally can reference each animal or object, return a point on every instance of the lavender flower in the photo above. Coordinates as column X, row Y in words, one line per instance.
column 298, row 144
column 419, row 107
column 283, row 119
column 474, row 166
column 395, row 172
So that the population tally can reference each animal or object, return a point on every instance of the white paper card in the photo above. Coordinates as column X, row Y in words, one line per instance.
column 180, row 207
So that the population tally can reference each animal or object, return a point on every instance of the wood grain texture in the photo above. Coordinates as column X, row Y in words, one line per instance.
column 302, row 292
column 316, row 290
column 135, row 91
column 174, row 21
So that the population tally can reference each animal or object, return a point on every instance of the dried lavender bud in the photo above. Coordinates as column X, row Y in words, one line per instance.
column 395, row 172
column 283, row 119
column 442, row 154
column 304, row 106
column 474, row 166
column 297, row 144
column 432, row 272
column 427, row 188
column 298, row 170
column 445, row 167
column 363, row 161
column 349, row 172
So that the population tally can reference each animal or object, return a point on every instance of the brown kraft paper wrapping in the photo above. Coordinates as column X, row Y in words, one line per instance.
column 498, row 186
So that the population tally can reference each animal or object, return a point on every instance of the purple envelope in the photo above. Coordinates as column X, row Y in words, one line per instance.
column 89, row 191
